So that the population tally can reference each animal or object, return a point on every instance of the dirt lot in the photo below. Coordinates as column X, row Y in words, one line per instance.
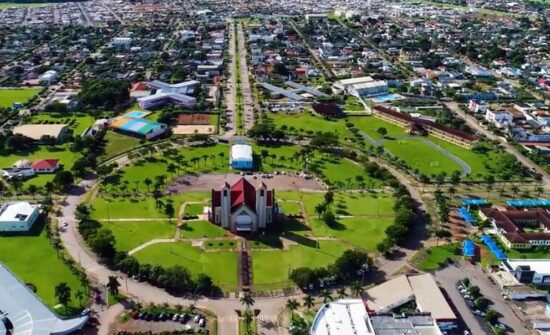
column 458, row 228
column 208, row 182
column 193, row 119
column 194, row 129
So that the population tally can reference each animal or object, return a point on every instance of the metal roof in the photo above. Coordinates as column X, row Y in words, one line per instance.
column 28, row 314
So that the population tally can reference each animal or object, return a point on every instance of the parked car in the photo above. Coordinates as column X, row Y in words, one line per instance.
column 176, row 317
column 478, row 312
column 184, row 318
column 196, row 318
column 202, row 322
column 468, row 297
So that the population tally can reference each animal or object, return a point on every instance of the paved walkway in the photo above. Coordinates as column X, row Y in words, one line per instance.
column 149, row 243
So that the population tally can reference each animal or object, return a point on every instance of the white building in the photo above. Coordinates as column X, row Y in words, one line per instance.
column 360, row 86
column 122, row 41
column 537, row 270
column 48, row 77
column 241, row 156
column 500, row 118
column 17, row 216
column 478, row 106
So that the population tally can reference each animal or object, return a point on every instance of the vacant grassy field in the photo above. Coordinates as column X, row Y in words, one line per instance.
column 33, row 259
column 201, row 229
column 80, row 123
column 434, row 258
column 306, row 122
column 290, row 208
column 271, row 268
column 8, row 96
column 194, row 209
column 131, row 234
column 138, row 207
column 221, row 266
column 118, row 143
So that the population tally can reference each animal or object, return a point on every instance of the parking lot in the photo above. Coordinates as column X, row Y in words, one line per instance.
column 449, row 277
column 160, row 322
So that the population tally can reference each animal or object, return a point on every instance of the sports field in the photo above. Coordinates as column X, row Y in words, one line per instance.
column 77, row 123
column 10, row 95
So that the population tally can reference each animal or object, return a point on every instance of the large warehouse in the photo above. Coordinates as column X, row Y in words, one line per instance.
column 241, row 157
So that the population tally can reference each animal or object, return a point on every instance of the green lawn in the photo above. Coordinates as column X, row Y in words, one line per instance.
column 527, row 254
column 118, row 143
column 433, row 258
column 273, row 267
column 9, row 96
column 353, row 104
column 80, row 123
column 364, row 233
column 194, row 209
column 138, row 207
column 201, row 229
column 34, row 260
column 307, row 122
column 131, row 234
column 221, row 266
column 290, row 208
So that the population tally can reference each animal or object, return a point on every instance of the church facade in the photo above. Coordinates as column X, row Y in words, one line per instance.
column 242, row 207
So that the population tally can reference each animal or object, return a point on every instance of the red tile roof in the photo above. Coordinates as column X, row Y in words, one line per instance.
column 45, row 164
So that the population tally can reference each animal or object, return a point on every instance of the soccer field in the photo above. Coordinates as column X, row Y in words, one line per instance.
column 10, row 95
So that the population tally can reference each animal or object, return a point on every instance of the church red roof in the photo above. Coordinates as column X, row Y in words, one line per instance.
column 243, row 192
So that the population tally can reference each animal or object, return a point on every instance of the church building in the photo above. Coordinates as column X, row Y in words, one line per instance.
column 242, row 207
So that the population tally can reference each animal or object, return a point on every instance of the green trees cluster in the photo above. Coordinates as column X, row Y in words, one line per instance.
column 176, row 279
column 103, row 92
column 344, row 268
column 403, row 221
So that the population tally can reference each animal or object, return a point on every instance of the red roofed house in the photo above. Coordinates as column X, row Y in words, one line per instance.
column 45, row 165
column 242, row 207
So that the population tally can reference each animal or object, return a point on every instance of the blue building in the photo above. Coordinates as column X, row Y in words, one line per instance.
column 241, row 157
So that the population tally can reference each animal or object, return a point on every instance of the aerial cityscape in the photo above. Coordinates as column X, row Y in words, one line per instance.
column 363, row 167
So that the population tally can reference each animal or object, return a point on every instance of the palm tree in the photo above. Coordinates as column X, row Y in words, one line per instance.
column 113, row 285
column 247, row 318
column 221, row 155
column 63, row 294
column 171, row 169
column 32, row 190
column 148, row 182
column 309, row 301
column 49, row 187
column 292, row 305
column 356, row 289
column 247, row 300
column 79, row 295
column 341, row 292
column 515, row 190
column 325, row 294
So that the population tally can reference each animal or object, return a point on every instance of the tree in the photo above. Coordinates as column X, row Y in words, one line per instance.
column 63, row 180
column 474, row 291
column 247, row 318
column 79, row 295
column 107, row 92
column 352, row 261
column 292, row 305
column 247, row 300
column 341, row 293
column 32, row 190
column 63, row 294
column 309, row 301
column 329, row 218
column 169, row 210
column 148, row 182
column 356, row 289
column 103, row 243
column 325, row 294
column 204, row 284
column 481, row 303
column 382, row 131
column 329, row 198
column 384, row 246
column 19, row 142
column 320, row 209
column 113, row 285
column 492, row 316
